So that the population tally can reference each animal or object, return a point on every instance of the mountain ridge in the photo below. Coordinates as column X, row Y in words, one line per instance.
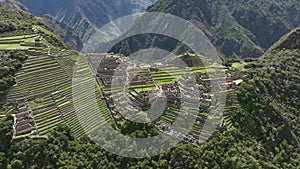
column 68, row 34
column 14, row 4
column 237, row 28
column 289, row 41
column 264, row 131
column 88, row 16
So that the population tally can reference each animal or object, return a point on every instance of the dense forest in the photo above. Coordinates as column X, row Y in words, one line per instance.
column 9, row 17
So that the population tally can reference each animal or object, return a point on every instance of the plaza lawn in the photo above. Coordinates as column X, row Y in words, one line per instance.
column 239, row 65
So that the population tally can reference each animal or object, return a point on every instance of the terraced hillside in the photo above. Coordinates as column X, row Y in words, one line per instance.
column 44, row 89
column 173, row 84
column 44, row 94
column 260, row 127
column 43, row 83
column 23, row 42
column 38, row 91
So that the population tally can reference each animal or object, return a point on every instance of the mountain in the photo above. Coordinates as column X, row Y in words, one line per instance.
column 272, row 92
column 86, row 17
column 243, row 28
column 262, row 128
column 68, row 34
column 289, row 41
column 14, row 4
column 44, row 7
column 264, row 133
column 21, row 35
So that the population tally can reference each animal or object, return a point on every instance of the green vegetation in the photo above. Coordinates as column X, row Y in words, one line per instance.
column 12, row 20
column 50, row 36
column 238, row 29
column 39, row 76
column 45, row 81
column 262, row 130
column 19, row 33
column 6, row 134
column 22, row 42
column 270, row 99
column 69, row 35
column 14, row 25
column 10, row 63
column 139, row 130
column 261, row 125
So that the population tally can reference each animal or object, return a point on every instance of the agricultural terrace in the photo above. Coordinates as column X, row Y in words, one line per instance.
column 45, row 84
column 21, row 42
column 169, row 81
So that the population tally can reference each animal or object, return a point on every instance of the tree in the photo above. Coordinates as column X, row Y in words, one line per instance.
column 3, row 160
column 16, row 164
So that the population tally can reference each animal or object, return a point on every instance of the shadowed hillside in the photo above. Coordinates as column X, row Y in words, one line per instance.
column 85, row 17
column 237, row 28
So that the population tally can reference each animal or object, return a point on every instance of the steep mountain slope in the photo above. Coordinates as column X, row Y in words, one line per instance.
column 237, row 28
column 43, row 7
column 21, row 34
column 86, row 16
column 14, row 4
column 68, row 34
column 267, row 20
column 8, row 22
column 289, row 41
column 269, row 99
column 36, row 69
